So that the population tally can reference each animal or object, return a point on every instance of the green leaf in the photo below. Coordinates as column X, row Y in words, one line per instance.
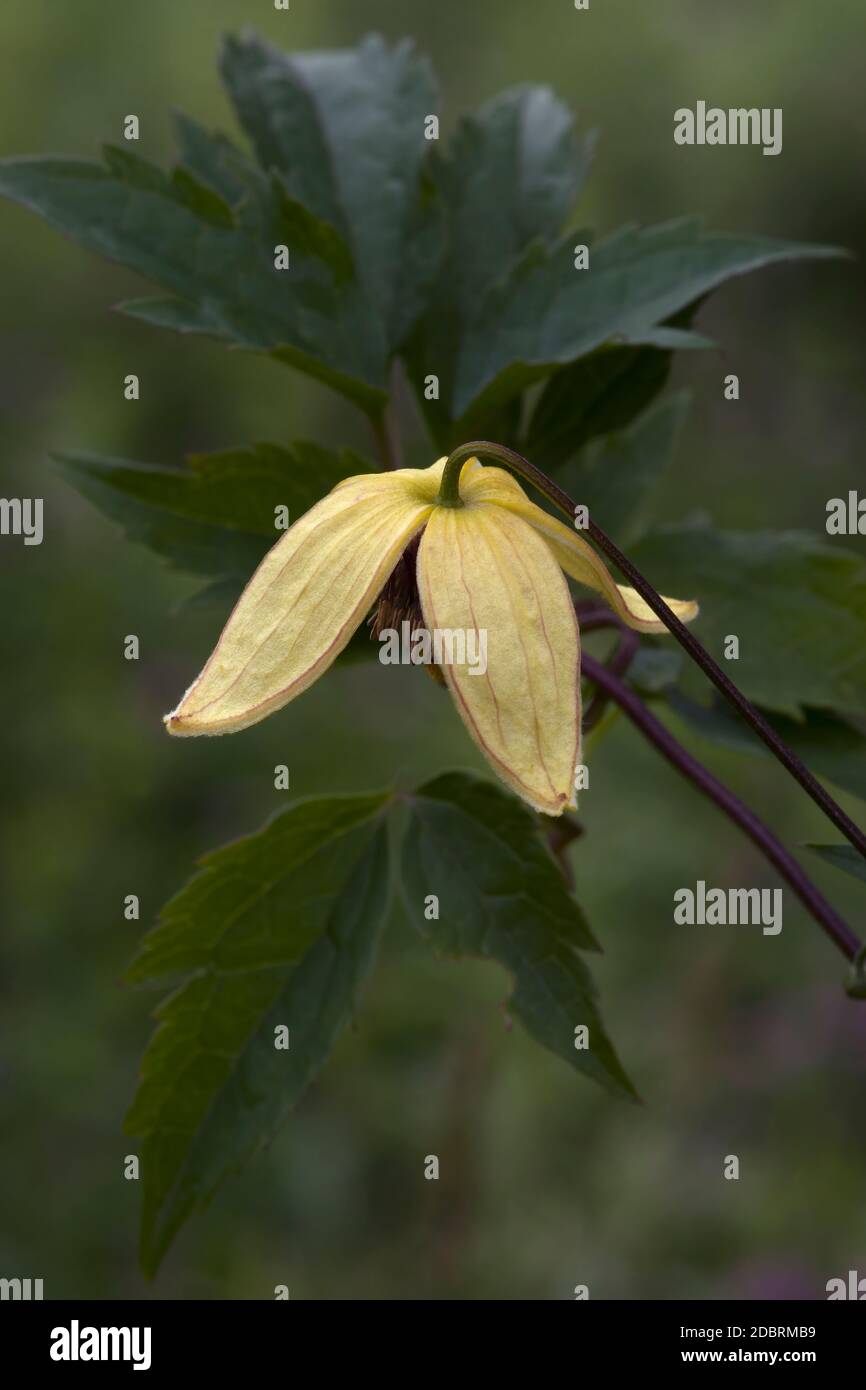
column 547, row 313
column 829, row 746
column 218, row 264
column 654, row 669
column 422, row 256
column 798, row 607
column 201, row 199
column 596, row 395
column 346, row 131
column 844, row 857
column 281, row 929
column 855, row 986
column 502, row 897
column 217, row 516
column 616, row 476
column 510, row 178
column 847, row 858
column 513, row 174
column 167, row 311
column 212, row 158
column 310, row 235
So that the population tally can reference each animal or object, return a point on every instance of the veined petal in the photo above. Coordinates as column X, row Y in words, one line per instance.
column 303, row 603
column 579, row 560
column 422, row 484
column 484, row 482
column 482, row 569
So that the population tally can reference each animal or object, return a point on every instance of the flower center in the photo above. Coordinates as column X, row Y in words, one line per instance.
column 400, row 602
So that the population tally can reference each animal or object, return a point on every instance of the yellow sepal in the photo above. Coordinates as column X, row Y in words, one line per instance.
column 482, row 568
column 579, row 560
column 305, row 601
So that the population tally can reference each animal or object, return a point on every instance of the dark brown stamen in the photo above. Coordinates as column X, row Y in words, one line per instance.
column 400, row 602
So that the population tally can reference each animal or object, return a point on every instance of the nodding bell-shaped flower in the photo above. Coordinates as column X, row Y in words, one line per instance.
column 493, row 562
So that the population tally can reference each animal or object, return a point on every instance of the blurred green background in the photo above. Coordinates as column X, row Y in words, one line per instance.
column 739, row 1043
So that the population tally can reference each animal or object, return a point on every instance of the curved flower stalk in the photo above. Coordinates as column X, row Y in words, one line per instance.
column 672, row 620
column 488, row 561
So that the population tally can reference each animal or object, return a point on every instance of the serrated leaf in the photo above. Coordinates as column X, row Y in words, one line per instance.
column 829, row 746
column 615, row 476
column 202, row 200
column 510, row 178
column 844, row 857
column 174, row 233
column 422, row 256
column 596, row 395
column 346, row 131
column 599, row 393
column 282, row 928
column 167, row 311
column 130, row 168
column 797, row 605
column 513, row 174
column 212, row 158
column 217, row 516
column 310, row 235
column 548, row 313
column 502, row 897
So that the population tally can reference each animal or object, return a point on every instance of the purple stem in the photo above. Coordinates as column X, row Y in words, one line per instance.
column 696, row 651
column 607, row 681
column 627, row 644
column 753, row 717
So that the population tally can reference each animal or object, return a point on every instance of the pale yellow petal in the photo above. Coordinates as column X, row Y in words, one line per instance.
column 481, row 482
column 482, row 569
column 421, row 484
column 303, row 603
column 579, row 560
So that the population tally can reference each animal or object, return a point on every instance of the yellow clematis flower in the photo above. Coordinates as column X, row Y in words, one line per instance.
column 494, row 564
